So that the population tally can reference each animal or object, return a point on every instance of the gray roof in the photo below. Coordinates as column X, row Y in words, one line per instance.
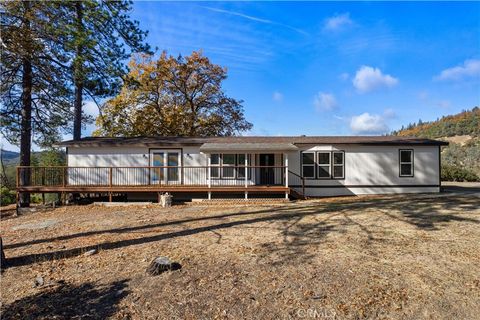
column 248, row 146
column 295, row 140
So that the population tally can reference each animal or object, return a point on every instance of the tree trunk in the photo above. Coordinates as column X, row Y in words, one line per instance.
column 193, row 119
column 77, row 122
column 26, row 128
column 2, row 256
column 78, row 77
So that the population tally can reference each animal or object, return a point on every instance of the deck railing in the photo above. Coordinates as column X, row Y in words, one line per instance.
column 297, row 182
column 207, row 176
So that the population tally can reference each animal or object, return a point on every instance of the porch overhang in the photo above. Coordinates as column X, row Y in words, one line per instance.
column 247, row 147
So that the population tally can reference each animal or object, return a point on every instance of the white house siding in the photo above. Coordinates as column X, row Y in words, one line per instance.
column 374, row 170
column 82, row 160
column 368, row 169
column 86, row 158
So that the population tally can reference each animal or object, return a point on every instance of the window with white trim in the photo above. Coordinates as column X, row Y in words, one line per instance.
column 228, row 166
column 308, row 164
column 406, row 163
column 241, row 166
column 323, row 161
column 338, row 165
column 215, row 165
column 323, row 164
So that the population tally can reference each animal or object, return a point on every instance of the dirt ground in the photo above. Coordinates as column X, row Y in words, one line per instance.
column 389, row 257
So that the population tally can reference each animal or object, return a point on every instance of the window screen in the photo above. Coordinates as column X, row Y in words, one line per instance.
column 308, row 164
column 406, row 163
column 323, row 159
column 338, row 164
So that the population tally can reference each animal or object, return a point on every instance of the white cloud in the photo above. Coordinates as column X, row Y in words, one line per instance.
column 337, row 22
column 369, row 79
column 367, row 123
column 256, row 19
column 469, row 69
column 277, row 96
column 324, row 101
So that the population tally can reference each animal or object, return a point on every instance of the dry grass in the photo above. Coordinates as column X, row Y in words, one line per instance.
column 398, row 257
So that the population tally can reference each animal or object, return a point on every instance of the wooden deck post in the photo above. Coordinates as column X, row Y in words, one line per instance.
column 18, row 177
column 286, row 174
column 110, row 178
column 43, row 183
column 149, row 175
column 246, row 173
column 209, row 176
column 17, row 196
column 63, row 176
column 286, row 169
column 246, row 176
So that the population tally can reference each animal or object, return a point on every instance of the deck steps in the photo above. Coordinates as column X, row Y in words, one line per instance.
column 297, row 195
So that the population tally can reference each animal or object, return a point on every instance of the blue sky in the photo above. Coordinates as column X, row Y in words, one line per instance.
column 334, row 68
column 331, row 68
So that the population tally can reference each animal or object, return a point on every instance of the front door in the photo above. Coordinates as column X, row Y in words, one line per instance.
column 267, row 175
column 168, row 163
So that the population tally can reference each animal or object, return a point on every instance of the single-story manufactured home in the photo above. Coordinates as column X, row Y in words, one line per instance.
column 241, row 166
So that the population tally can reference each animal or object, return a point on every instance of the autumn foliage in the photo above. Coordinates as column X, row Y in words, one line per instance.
column 170, row 96
column 464, row 123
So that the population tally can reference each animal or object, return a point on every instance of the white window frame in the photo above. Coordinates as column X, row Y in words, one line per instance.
column 217, row 166
column 241, row 165
column 236, row 165
column 314, row 164
column 228, row 166
column 411, row 163
column 165, row 172
column 329, row 165
column 338, row 165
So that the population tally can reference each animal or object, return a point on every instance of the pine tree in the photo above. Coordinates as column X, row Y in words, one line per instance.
column 99, row 36
column 35, row 94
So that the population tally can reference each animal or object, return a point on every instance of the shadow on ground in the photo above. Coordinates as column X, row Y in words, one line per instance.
column 86, row 301
column 429, row 213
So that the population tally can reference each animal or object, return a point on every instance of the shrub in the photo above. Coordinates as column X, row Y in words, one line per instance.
column 456, row 173
column 7, row 196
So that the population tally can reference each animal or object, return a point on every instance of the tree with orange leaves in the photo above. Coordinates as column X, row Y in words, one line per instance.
column 172, row 97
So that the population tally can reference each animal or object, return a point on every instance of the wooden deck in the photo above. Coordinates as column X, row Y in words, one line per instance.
column 122, row 180
column 152, row 188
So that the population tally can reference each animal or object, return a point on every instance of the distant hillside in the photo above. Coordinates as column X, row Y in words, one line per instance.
column 465, row 123
column 10, row 156
column 461, row 159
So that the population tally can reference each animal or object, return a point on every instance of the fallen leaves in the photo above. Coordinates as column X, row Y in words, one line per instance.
column 364, row 259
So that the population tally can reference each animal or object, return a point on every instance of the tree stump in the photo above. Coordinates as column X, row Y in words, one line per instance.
column 160, row 265
column 3, row 261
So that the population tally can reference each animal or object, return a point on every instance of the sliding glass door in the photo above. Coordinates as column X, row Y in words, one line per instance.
column 168, row 163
